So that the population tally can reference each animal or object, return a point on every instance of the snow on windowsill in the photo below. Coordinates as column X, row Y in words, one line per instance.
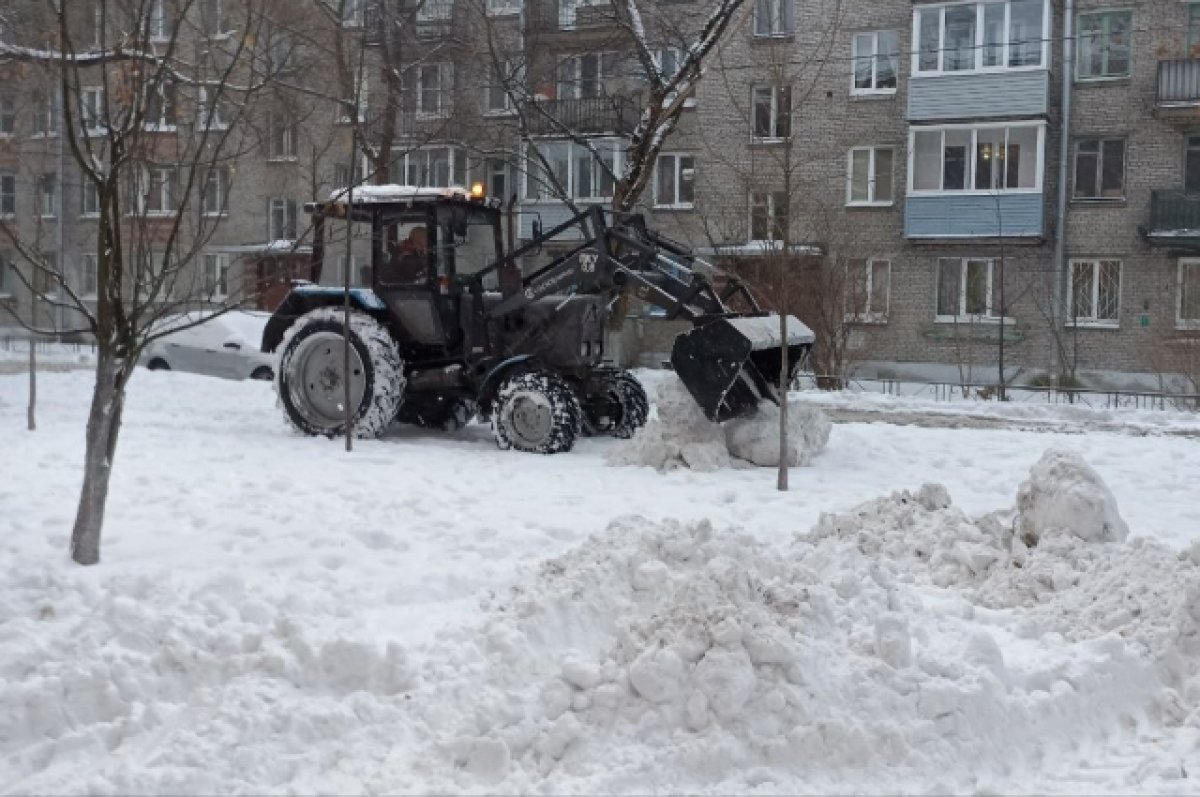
column 1085, row 323
column 872, row 94
column 871, row 204
column 676, row 207
column 872, row 319
column 974, row 319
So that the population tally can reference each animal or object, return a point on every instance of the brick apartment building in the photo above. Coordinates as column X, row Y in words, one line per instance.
column 919, row 146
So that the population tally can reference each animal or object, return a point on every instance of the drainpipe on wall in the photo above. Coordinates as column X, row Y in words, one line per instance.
column 1064, row 156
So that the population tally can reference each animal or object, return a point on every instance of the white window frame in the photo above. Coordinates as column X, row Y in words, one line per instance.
column 282, row 130
column 872, row 179
column 1092, row 320
column 222, row 21
column 457, row 162
column 676, row 159
column 92, row 103
column 45, row 115
column 89, row 190
column 218, row 281
column 353, row 12
column 289, row 217
column 501, row 8
column 47, row 210
column 224, row 177
column 8, row 116
column 158, row 180
column 89, row 265
column 444, row 93
column 962, row 316
column 1180, row 321
column 979, row 39
column 776, row 91
column 1039, row 166
column 571, row 86
column 860, row 314
column 205, row 106
column 613, row 145
column 512, row 73
column 1097, row 12
column 1099, row 155
column 781, row 25
column 159, row 21
column 166, row 109
column 771, row 214
column 11, row 177
column 855, row 57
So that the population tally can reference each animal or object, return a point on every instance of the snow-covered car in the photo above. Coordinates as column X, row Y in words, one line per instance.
column 225, row 346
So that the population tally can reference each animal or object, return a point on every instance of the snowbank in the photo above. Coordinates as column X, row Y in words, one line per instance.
column 1063, row 494
column 682, row 437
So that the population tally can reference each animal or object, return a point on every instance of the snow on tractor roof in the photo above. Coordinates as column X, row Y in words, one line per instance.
column 365, row 194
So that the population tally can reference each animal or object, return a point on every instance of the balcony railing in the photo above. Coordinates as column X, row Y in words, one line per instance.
column 1178, row 84
column 587, row 116
column 1174, row 214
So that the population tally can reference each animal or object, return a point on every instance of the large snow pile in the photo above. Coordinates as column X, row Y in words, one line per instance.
column 1063, row 494
column 682, row 437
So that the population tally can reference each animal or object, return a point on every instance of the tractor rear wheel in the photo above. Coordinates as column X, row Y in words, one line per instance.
column 311, row 382
column 536, row 412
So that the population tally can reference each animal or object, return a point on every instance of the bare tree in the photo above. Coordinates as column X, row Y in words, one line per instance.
column 150, row 172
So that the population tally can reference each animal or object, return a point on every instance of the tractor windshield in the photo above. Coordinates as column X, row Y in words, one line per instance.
column 469, row 237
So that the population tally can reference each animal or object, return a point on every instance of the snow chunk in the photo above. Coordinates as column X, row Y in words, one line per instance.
column 1064, row 494
column 682, row 437
column 756, row 438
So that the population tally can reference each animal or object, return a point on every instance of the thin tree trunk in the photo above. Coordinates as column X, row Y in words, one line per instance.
column 30, row 416
column 782, row 482
column 104, row 424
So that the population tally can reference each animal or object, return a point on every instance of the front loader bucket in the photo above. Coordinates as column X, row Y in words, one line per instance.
column 730, row 365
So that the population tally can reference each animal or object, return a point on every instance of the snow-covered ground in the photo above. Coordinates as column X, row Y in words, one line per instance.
column 430, row 614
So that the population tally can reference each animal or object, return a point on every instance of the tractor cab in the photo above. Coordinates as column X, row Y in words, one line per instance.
column 425, row 247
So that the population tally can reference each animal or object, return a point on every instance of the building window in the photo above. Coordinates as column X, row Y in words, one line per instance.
column 214, row 193
column 281, row 219
column 432, row 167
column 498, row 179
column 869, row 288
column 675, row 181
column 45, row 114
column 282, row 143
column 8, row 194
column 876, row 58
column 352, row 12
column 216, row 275
column 7, row 280
column 1193, row 34
column 774, row 18
column 768, row 214
column 8, row 115
column 968, row 289
column 977, row 36
column 497, row 8
column 585, row 75
column 90, row 198
column 159, row 21
column 1095, row 291
column 1187, row 313
column 504, row 79
column 1191, row 166
column 575, row 169
column 213, row 110
column 1105, row 44
column 160, row 107
column 869, row 176
column 156, row 192
column 772, row 112
column 426, row 89
column 986, row 158
column 212, row 18
column 1100, row 168
column 88, row 274
column 47, row 190
column 91, row 98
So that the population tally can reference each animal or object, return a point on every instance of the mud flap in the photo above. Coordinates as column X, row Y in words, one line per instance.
column 731, row 365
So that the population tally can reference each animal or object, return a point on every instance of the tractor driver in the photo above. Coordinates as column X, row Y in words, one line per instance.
column 408, row 260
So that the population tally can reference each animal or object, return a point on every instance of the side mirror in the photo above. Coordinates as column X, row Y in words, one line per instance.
column 233, row 344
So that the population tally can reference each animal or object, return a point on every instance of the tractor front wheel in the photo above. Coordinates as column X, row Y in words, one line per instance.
column 312, row 377
column 621, row 407
column 536, row 412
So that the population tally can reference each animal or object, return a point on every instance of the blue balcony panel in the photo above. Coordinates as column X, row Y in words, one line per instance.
column 975, row 216
column 990, row 95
